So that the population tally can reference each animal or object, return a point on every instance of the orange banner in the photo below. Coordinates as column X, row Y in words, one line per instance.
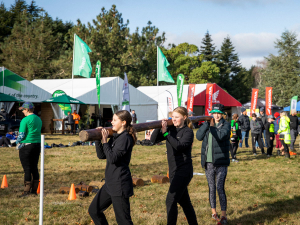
column 191, row 95
column 209, row 96
column 254, row 100
column 268, row 100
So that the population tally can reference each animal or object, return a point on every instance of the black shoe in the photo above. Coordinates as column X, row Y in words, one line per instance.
column 287, row 155
column 278, row 152
column 24, row 194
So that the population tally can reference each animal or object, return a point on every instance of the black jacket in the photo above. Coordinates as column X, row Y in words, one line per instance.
column 294, row 122
column 220, row 142
column 179, row 147
column 134, row 117
column 268, row 133
column 70, row 119
column 244, row 122
column 256, row 126
column 117, row 152
column 263, row 118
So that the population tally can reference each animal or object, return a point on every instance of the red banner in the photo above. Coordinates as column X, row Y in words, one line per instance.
column 254, row 100
column 268, row 99
column 209, row 98
column 191, row 95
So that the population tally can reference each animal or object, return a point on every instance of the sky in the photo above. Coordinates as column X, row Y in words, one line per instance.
column 252, row 25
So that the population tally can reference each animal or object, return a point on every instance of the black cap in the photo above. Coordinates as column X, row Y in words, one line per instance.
column 217, row 108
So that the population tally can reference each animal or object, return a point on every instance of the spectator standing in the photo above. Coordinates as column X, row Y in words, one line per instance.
column 269, row 128
column 76, row 118
column 256, row 128
column 245, row 127
column 70, row 122
column 235, row 137
column 284, row 131
column 263, row 118
column 294, row 123
column 134, row 117
column 29, row 146
column 276, row 128
column 215, row 158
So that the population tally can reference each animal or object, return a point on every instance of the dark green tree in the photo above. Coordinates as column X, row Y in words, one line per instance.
column 208, row 49
column 282, row 71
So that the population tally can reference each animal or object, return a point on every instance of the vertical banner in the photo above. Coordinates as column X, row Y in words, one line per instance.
column 191, row 95
column 254, row 100
column 268, row 100
column 180, row 82
column 294, row 103
column 208, row 98
column 170, row 105
column 126, row 97
column 98, row 75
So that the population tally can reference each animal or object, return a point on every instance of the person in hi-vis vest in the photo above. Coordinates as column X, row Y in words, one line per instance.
column 76, row 118
column 284, row 133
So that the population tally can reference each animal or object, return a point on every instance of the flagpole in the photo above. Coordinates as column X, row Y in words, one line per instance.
column 157, row 65
column 73, row 64
column 3, row 79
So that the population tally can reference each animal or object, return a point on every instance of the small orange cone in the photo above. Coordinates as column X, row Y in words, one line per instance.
column 4, row 182
column 72, row 194
column 38, row 190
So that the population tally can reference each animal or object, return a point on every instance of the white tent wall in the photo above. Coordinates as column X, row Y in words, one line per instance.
column 111, row 94
column 158, row 93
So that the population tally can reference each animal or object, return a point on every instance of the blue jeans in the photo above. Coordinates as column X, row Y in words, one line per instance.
column 245, row 135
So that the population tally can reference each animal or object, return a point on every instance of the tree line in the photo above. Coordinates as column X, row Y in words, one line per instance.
column 36, row 46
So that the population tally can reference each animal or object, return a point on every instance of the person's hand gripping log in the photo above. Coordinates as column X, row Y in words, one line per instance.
column 104, row 133
column 164, row 125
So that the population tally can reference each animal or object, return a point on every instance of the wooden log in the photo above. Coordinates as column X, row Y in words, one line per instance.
column 84, row 187
column 66, row 190
column 137, row 182
column 95, row 134
column 160, row 179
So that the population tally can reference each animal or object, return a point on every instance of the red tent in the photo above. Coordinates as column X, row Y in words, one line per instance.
column 219, row 96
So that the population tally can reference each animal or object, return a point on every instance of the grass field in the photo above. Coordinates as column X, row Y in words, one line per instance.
column 259, row 190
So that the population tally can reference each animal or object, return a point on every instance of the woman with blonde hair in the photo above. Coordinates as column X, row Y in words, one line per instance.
column 179, row 139
column 284, row 133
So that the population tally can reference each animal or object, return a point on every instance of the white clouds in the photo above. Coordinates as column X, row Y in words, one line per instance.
column 249, row 46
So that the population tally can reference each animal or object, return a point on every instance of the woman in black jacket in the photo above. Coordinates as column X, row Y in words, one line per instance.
column 179, row 139
column 215, row 158
column 118, row 182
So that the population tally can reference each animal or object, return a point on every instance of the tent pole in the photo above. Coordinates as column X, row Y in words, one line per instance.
column 73, row 64
column 3, row 79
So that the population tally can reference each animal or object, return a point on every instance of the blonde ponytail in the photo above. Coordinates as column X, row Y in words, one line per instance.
column 189, row 123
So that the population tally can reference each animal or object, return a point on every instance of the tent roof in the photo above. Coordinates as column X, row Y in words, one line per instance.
column 260, row 103
column 84, row 89
column 158, row 92
column 219, row 96
column 289, row 107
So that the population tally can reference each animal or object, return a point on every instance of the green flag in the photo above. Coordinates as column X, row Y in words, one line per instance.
column 162, row 71
column 180, row 82
column 81, row 59
column 98, row 75
column 293, row 104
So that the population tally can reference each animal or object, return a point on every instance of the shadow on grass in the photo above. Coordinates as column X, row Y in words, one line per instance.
column 279, row 210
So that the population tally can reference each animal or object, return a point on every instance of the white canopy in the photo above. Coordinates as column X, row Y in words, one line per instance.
column 158, row 93
column 84, row 89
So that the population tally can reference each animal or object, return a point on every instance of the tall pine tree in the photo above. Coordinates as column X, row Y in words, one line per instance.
column 208, row 49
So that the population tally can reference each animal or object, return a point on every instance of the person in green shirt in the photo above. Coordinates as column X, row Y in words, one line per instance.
column 29, row 146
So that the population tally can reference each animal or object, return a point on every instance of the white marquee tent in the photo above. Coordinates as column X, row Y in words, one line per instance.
column 158, row 93
column 84, row 89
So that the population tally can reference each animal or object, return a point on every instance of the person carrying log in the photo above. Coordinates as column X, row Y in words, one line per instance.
column 118, row 182
column 179, row 139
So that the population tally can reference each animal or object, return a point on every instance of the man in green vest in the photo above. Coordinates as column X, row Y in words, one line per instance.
column 269, row 128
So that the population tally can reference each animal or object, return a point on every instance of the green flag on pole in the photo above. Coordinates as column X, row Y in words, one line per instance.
column 81, row 59
column 98, row 75
column 180, row 82
column 293, row 104
column 162, row 71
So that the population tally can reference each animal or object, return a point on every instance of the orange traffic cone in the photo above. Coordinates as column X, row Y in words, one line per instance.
column 72, row 194
column 38, row 190
column 4, row 182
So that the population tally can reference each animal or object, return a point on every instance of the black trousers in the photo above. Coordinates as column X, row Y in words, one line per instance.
column 270, row 145
column 4, row 141
column 257, row 137
column 286, row 148
column 178, row 193
column 29, row 157
column 233, row 149
column 102, row 201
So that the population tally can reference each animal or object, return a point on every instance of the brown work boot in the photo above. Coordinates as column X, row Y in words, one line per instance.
column 34, row 187
column 26, row 189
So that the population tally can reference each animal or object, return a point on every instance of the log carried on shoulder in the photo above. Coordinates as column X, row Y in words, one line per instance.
column 95, row 134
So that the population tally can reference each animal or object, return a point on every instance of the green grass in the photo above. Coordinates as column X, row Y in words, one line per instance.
column 259, row 190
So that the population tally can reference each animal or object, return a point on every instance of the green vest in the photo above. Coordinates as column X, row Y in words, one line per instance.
column 271, row 129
